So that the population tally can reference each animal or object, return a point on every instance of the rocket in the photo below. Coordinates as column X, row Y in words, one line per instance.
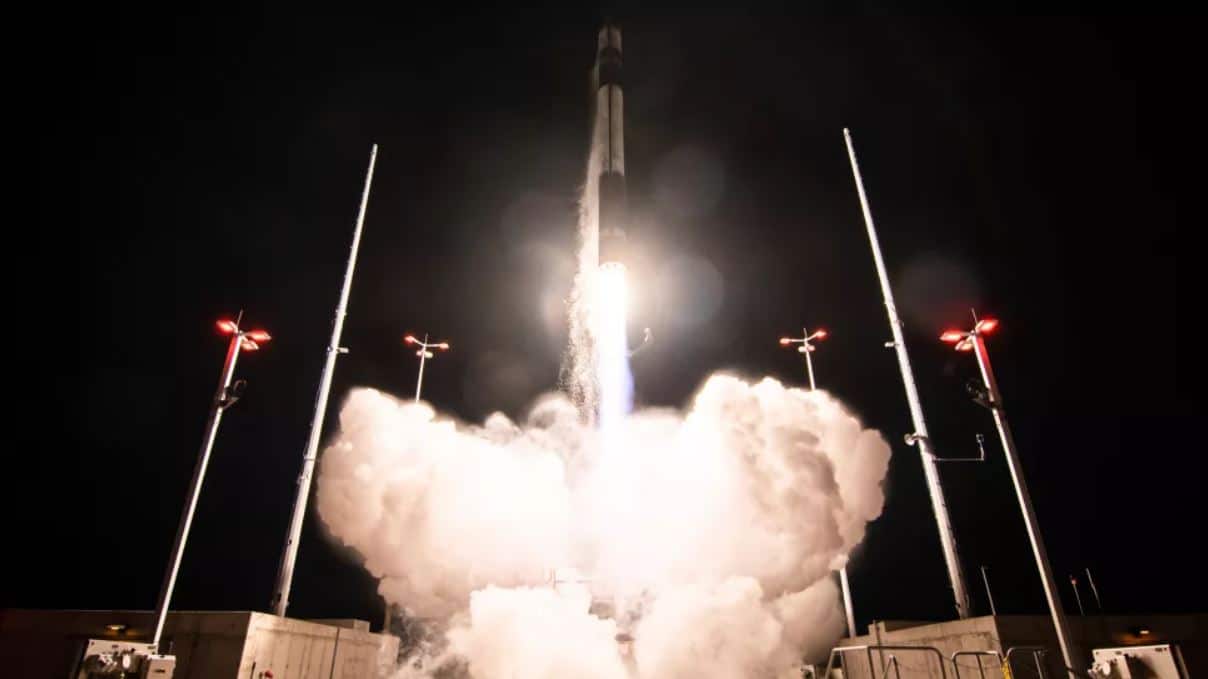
column 610, row 140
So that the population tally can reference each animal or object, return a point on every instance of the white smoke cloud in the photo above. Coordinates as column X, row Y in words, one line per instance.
column 713, row 534
column 728, row 629
column 526, row 632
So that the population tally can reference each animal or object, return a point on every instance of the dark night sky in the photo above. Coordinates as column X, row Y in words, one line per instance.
column 1040, row 169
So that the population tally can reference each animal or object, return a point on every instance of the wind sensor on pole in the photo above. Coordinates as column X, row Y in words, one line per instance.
column 939, row 505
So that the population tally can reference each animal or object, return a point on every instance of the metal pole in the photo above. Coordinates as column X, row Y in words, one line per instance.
column 809, row 362
column 423, row 356
column 843, row 582
column 289, row 556
column 989, row 595
column 939, row 506
column 1094, row 590
column 1073, row 661
column 199, row 472
column 1077, row 595
column 847, row 607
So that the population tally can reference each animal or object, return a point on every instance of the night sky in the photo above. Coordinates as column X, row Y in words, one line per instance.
column 1042, row 170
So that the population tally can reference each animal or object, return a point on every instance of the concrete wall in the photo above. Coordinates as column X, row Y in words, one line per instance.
column 287, row 648
column 207, row 645
column 361, row 654
column 949, row 637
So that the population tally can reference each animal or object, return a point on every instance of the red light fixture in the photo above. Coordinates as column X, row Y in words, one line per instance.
column 227, row 327
column 443, row 345
column 409, row 339
column 986, row 325
column 249, row 345
column 952, row 336
column 785, row 340
column 965, row 345
column 820, row 334
column 258, row 336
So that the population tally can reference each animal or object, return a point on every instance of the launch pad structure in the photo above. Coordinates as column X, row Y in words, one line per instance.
column 239, row 644
column 975, row 648
column 39, row 644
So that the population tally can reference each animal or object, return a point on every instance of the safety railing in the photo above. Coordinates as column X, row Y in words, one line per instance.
column 981, row 669
column 890, row 667
column 841, row 651
column 1037, row 653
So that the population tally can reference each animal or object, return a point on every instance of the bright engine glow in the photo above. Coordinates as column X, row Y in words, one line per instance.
column 616, row 383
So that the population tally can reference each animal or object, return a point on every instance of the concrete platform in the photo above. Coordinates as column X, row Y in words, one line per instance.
column 1000, row 633
column 37, row 644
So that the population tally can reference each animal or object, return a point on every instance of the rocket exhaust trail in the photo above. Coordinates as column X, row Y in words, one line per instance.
column 612, row 352
column 598, row 288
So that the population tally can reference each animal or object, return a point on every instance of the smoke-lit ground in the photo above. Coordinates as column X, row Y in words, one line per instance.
column 712, row 534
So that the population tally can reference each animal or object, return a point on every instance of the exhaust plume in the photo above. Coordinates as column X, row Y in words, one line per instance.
column 707, row 538
column 711, row 535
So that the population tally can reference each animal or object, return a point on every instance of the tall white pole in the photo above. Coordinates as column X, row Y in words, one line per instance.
column 1077, row 595
column 847, row 607
column 809, row 362
column 199, row 472
column 423, row 355
column 1094, row 590
column 843, row 582
column 1073, row 660
column 989, row 594
column 938, row 505
column 289, row 556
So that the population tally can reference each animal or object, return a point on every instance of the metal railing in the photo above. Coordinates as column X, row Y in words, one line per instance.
column 891, row 663
column 1037, row 653
column 981, row 669
column 840, row 651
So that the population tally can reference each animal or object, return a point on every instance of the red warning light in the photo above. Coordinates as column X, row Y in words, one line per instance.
column 987, row 325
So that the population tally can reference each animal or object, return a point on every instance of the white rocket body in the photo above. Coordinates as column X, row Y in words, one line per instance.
column 610, row 138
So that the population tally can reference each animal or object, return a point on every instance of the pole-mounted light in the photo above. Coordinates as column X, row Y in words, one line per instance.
column 226, row 396
column 975, row 340
column 807, row 347
column 424, row 352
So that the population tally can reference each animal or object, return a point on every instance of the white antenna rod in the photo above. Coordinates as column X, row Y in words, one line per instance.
column 940, row 507
column 289, row 557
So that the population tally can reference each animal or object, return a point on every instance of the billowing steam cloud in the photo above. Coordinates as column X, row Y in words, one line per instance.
column 710, row 536
column 591, row 542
